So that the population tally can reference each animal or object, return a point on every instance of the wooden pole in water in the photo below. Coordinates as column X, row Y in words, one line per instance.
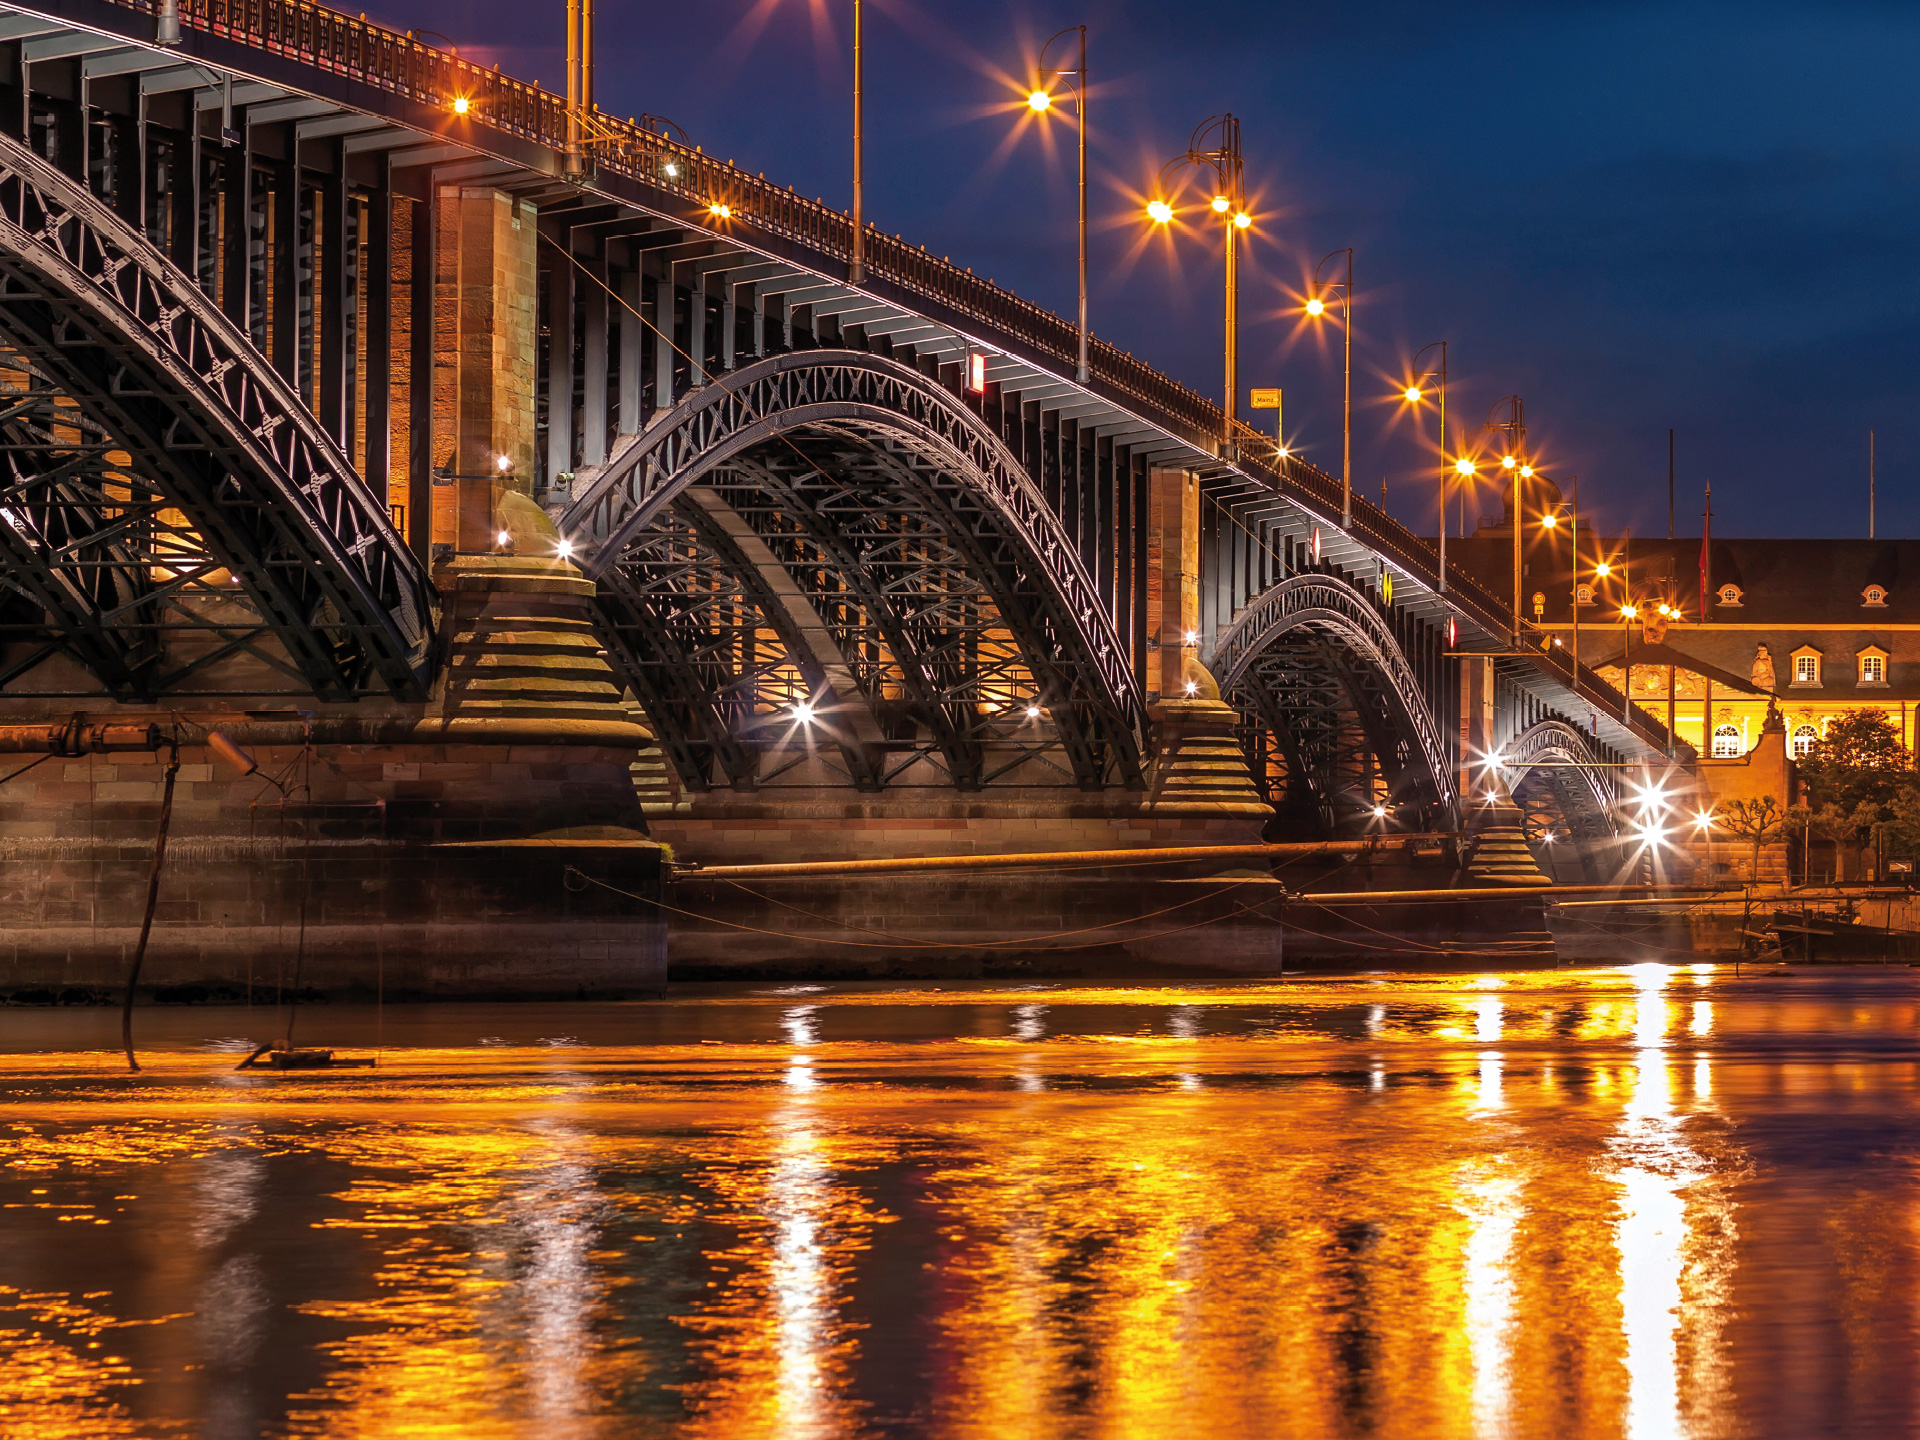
column 153, row 898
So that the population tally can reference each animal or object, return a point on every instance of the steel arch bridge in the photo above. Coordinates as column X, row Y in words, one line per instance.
column 1335, row 718
column 786, row 480
column 238, row 498
column 1566, row 790
column 841, row 520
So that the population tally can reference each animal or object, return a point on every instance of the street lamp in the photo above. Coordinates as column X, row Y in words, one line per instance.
column 1514, row 462
column 1215, row 146
column 1551, row 521
column 1039, row 101
column 1414, row 394
column 857, row 261
column 1316, row 307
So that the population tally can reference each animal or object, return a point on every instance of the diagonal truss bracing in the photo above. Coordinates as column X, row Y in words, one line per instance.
column 202, row 460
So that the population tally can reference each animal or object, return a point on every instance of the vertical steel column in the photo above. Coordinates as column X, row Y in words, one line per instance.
column 593, row 363
column 631, row 418
column 420, row 292
column 560, row 360
column 283, row 269
column 696, row 327
column 377, row 464
column 664, row 306
column 729, row 322
column 332, row 301
column 236, row 259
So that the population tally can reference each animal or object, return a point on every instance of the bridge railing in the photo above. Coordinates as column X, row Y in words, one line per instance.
column 395, row 62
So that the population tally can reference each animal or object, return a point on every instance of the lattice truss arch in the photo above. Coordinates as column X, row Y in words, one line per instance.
column 1557, row 782
column 834, row 526
column 205, row 471
column 1333, row 720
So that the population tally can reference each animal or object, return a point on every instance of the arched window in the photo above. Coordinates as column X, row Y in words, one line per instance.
column 1803, row 738
column 1583, row 595
column 1726, row 742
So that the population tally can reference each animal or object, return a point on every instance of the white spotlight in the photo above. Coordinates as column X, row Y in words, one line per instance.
column 803, row 712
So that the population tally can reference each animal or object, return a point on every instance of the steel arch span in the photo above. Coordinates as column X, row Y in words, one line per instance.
column 1562, row 790
column 834, row 530
column 1333, row 718
column 168, row 499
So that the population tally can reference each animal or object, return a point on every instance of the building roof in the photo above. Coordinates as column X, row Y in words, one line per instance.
column 1782, row 582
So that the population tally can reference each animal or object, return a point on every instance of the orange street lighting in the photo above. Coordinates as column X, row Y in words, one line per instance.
column 1507, row 462
column 1413, row 395
column 1215, row 146
column 719, row 211
column 1549, row 520
column 1317, row 306
column 461, row 105
column 1466, row 466
column 1040, row 101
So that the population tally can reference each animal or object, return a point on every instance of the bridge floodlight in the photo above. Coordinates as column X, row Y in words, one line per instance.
column 1507, row 462
column 1033, row 712
column 1193, row 687
column 1193, row 637
column 504, row 539
column 1039, row 100
column 564, row 549
column 1159, row 211
column 1526, row 472
column 1241, row 220
column 1550, row 520
column 670, row 170
column 503, row 462
column 1316, row 306
column 1221, row 204
column 1379, row 812
column 461, row 104
column 719, row 210
column 1465, row 466
column 1603, row 569
column 803, row 712
column 1413, row 394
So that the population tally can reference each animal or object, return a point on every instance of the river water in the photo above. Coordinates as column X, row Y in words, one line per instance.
column 1647, row 1201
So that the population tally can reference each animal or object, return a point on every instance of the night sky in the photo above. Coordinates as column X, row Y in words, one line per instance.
column 1635, row 216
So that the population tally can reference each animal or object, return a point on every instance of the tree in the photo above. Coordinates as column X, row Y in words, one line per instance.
column 1859, row 761
column 1758, row 820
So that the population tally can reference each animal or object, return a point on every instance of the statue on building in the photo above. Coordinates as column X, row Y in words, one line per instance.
column 1763, row 669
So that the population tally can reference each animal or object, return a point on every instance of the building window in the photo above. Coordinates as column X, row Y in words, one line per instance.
column 1730, row 595
column 1726, row 742
column 1583, row 595
column 1873, row 595
column 1806, row 668
column 1873, row 667
column 1803, row 738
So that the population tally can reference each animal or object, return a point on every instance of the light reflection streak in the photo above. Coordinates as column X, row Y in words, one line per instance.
column 1491, row 1204
column 1674, row 1234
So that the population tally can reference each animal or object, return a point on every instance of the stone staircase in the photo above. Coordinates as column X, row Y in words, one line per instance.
column 1498, row 852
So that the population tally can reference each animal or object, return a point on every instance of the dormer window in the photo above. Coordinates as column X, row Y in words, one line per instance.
column 1873, row 666
column 1730, row 595
column 1874, row 595
column 1806, row 669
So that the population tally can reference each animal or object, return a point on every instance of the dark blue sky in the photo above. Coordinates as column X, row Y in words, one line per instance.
column 1636, row 216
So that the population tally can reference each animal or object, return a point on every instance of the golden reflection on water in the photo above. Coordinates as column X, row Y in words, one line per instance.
column 1527, row 1205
